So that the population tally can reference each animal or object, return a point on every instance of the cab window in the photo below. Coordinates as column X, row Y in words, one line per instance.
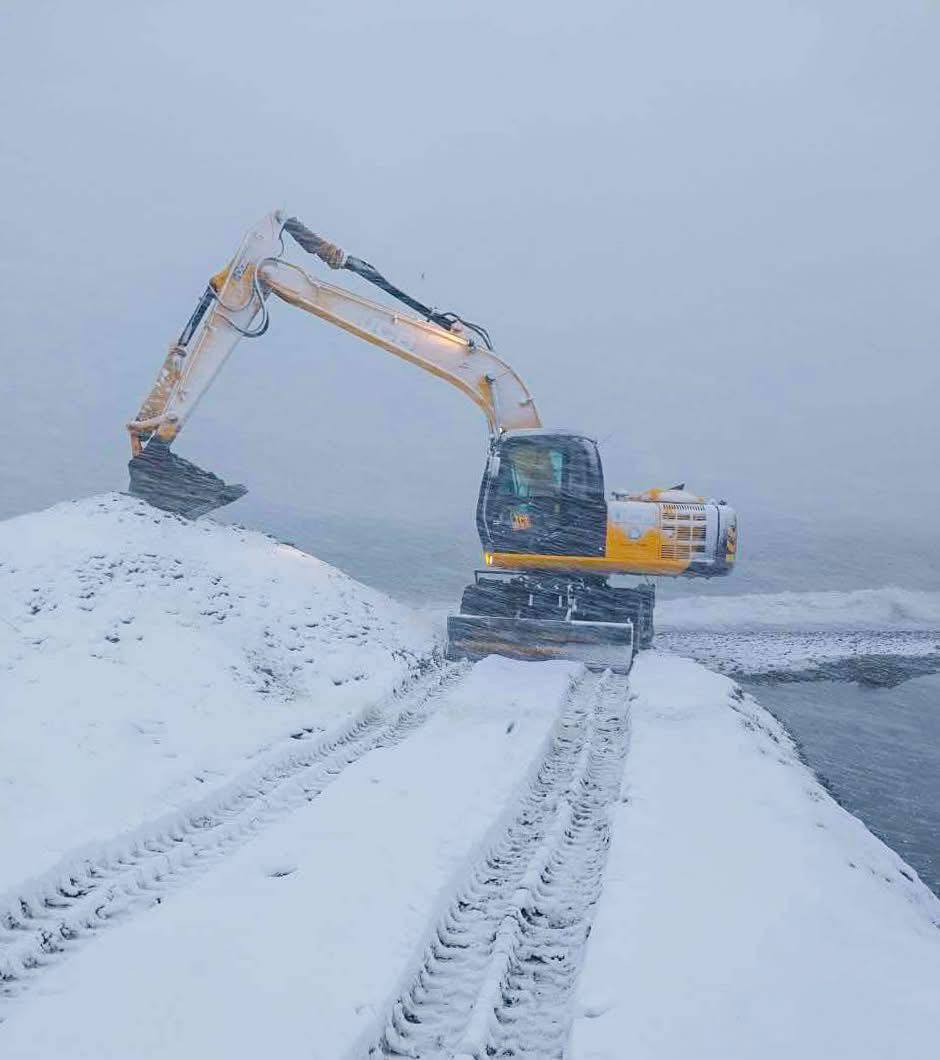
column 532, row 470
column 528, row 470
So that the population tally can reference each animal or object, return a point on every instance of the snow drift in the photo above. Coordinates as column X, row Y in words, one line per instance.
column 144, row 657
column 888, row 608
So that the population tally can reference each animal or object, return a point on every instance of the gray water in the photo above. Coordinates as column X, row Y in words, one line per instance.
column 878, row 750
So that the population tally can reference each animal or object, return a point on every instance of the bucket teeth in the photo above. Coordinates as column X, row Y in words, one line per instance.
column 599, row 645
column 176, row 485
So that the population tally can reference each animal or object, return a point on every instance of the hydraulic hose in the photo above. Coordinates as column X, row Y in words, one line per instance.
column 337, row 258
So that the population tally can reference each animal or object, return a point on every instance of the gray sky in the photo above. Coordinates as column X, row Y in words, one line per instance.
column 706, row 233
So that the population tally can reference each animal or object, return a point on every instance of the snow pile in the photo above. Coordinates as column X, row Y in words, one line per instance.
column 888, row 608
column 744, row 913
column 142, row 658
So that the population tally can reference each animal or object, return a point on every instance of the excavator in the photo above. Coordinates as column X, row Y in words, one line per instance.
column 552, row 536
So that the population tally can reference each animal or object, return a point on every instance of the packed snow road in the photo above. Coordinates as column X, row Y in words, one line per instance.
column 496, row 977
column 44, row 917
column 482, row 791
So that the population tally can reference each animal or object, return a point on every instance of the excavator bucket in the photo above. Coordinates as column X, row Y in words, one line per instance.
column 599, row 645
column 175, row 485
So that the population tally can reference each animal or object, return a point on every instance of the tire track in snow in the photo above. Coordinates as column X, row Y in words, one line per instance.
column 497, row 978
column 45, row 918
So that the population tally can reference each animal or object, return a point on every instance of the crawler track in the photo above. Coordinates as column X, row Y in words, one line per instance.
column 43, row 919
column 497, row 976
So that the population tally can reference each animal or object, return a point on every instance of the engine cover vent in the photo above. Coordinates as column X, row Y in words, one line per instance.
column 683, row 528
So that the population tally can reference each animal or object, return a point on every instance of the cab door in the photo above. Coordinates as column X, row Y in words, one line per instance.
column 544, row 495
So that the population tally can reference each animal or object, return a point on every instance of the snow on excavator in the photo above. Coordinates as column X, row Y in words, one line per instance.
column 552, row 536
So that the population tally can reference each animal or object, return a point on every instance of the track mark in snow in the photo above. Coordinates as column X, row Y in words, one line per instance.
column 45, row 918
column 497, row 978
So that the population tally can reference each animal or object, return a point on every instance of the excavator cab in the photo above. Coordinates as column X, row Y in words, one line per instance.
column 543, row 494
column 542, row 498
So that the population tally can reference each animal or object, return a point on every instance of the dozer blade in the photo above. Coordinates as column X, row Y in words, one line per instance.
column 169, row 482
column 599, row 645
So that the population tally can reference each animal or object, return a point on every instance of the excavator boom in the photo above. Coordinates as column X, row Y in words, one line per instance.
column 475, row 370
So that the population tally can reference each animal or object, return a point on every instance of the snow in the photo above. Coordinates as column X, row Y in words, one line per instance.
column 887, row 608
column 783, row 653
column 744, row 912
column 144, row 659
column 248, row 790
column 295, row 944
column 785, row 634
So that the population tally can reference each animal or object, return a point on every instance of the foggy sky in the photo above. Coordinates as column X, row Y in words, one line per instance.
column 707, row 234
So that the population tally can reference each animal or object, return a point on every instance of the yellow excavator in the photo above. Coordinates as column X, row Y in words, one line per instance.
column 552, row 536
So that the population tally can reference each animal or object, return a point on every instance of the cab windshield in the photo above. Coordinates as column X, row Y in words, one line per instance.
column 539, row 469
column 528, row 471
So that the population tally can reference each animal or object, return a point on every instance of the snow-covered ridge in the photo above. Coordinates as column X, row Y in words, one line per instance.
column 147, row 656
column 887, row 608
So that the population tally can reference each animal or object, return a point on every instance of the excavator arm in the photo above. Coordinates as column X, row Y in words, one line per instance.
column 235, row 306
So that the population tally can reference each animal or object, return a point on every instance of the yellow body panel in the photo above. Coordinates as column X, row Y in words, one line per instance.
column 650, row 553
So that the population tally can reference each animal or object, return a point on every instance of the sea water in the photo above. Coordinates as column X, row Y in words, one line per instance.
column 878, row 750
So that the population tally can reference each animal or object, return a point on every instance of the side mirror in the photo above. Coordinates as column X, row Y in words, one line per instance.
column 493, row 467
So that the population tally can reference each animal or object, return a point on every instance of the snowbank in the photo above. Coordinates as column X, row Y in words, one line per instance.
column 744, row 913
column 888, row 608
column 143, row 659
